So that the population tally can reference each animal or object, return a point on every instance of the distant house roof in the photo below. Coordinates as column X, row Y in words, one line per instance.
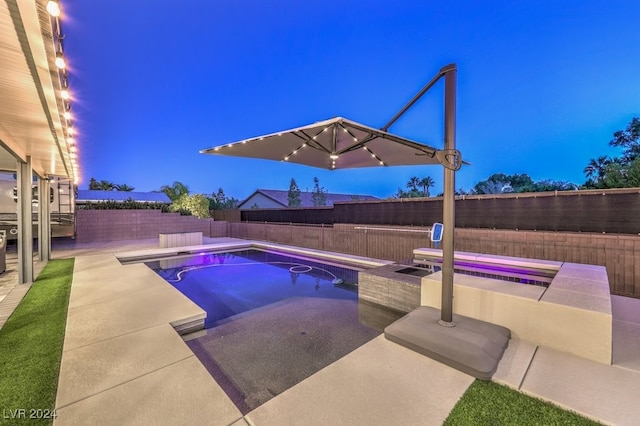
column 95, row 196
column 280, row 198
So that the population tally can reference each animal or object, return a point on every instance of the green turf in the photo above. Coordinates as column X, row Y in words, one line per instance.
column 488, row 403
column 31, row 347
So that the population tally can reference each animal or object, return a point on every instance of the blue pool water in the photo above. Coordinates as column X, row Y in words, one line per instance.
column 272, row 320
column 227, row 284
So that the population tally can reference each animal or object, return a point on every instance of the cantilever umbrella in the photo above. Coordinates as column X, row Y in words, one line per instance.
column 339, row 143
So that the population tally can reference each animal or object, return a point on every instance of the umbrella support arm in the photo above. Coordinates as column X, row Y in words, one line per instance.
column 451, row 159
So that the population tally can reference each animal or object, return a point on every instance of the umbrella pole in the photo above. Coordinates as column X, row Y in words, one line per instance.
column 451, row 161
column 448, row 213
column 462, row 347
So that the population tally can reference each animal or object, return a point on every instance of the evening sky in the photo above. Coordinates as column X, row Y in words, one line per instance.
column 542, row 85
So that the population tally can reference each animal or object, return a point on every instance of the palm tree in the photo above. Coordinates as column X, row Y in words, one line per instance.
column 413, row 183
column 105, row 185
column 597, row 168
column 426, row 183
column 124, row 187
column 175, row 191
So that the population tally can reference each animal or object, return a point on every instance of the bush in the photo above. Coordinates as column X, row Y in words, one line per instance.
column 196, row 205
column 128, row 204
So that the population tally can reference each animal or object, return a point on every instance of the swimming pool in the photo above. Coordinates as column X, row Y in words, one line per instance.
column 272, row 319
column 227, row 284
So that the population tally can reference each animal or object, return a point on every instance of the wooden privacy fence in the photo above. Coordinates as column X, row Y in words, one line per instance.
column 620, row 254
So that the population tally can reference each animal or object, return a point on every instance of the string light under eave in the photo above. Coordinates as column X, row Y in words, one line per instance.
column 53, row 7
column 60, row 63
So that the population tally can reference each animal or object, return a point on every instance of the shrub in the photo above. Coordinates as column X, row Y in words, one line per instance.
column 196, row 205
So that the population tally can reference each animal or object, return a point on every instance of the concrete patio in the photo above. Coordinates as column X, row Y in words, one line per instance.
column 123, row 363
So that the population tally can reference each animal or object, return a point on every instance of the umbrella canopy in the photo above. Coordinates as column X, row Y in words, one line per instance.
column 337, row 143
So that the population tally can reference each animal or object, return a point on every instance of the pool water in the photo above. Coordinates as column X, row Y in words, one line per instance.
column 227, row 284
column 272, row 320
column 521, row 275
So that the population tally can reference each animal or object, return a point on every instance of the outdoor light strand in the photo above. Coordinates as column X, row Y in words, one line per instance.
column 295, row 151
column 53, row 7
column 59, row 61
column 373, row 155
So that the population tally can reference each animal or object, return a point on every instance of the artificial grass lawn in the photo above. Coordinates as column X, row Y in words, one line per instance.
column 31, row 347
column 488, row 403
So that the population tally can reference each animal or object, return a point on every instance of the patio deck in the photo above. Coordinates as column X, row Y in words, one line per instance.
column 123, row 363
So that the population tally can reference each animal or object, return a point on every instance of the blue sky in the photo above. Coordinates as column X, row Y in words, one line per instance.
column 542, row 85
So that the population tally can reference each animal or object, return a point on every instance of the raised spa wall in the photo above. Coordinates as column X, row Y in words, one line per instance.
column 572, row 315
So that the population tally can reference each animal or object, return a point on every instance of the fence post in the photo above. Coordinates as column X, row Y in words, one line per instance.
column 366, row 243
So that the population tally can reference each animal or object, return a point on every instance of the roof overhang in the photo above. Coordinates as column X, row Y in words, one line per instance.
column 32, row 122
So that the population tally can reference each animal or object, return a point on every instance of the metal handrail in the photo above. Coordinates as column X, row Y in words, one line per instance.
column 366, row 228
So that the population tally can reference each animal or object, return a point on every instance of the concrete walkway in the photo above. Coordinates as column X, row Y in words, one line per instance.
column 123, row 363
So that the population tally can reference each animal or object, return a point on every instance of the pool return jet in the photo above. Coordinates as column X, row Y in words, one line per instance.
column 472, row 346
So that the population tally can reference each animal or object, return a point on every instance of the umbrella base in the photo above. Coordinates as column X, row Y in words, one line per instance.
column 474, row 347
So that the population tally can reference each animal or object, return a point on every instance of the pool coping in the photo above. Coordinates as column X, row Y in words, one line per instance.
column 149, row 254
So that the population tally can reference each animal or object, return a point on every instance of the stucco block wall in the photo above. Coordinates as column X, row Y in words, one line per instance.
column 116, row 225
